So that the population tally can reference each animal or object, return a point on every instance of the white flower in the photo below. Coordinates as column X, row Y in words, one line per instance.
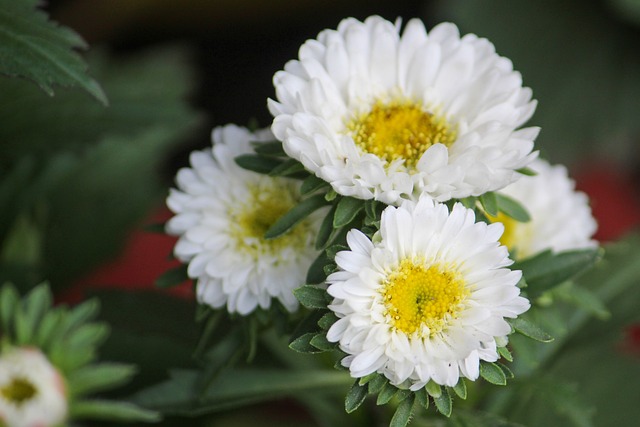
column 388, row 116
column 426, row 300
column 560, row 216
column 32, row 392
column 222, row 212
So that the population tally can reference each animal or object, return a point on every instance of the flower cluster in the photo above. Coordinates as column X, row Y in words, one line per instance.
column 414, row 141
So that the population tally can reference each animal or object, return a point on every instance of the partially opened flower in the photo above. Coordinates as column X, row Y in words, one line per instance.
column 388, row 116
column 560, row 216
column 222, row 213
column 32, row 392
column 426, row 299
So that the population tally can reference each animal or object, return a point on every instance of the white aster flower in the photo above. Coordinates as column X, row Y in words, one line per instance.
column 560, row 216
column 222, row 212
column 426, row 300
column 32, row 392
column 388, row 116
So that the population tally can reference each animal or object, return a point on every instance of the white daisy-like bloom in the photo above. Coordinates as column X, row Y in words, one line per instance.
column 390, row 116
column 426, row 299
column 32, row 392
column 222, row 213
column 561, row 217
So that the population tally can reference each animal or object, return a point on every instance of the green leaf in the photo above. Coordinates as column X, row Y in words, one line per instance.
column 173, row 277
column 315, row 274
column 289, row 167
column 273, row 148
column 95, row 378
column 9, row 301
column 403, row 413
column 460, row 389
column 489, row 203
column 507, row 372
column 444, row 403
column 327, row 320
column 40, row 50
column 582, row 298
column 312, row 296
column 530, row 330
column 112, row 411
column 326, row 231
column 320, row 342
column 527, row 171
column 512, row 208
column 492, row 373
column 505, row 353
column 433, row 389
column 295, row 215
column 548, row 269
column 386, row 394
column 312, row 183
column 422, row 398
column 377, row 383
column 302, row 344
column 257, row 163
column 355, row 397
column 346, row 211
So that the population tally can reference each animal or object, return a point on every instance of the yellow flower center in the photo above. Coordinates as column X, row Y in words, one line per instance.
column 270, row 199
column 18, row 390
column 508, row 238
column 416, row 295
column 400, row 130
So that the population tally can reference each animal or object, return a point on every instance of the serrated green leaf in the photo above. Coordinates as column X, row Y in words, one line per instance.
column 173, row 277
column 460, row 389
column 386, row 394
column 42, row 51
column 403, row 413
column 512, row 208
column 548, row 269
column 505, row 353
column 530, row 330
column 377, row 383
column 112, row 411
column 256, row 163
column 302, row 344
column 444, row 403
column 95, row 378
column 312, row 183
column 422, row 398
column 272, row 148
column 489, row 203
column 326, row 231
column 355, row 397
column 320, row 342
column 295, row 215
column 312, row 296
column 346, row 211
column 327, row 320
column 433, row 389
column 289, row 167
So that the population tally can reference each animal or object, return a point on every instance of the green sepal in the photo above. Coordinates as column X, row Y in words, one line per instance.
column 257, row 163
column 272, row 148
column 444, row 403
column 327, row 320
column 377, row 383
column 527, row 171
column 312, row 296
column 355, row 397
column 512, row 208
column 386, row 394
column 312, row 183
column 112, row 411
column 295, row 215
column 530, row 330
column 9, row 301
column 492, row 373
column 315, row 273
column 321, row 343
column 403, row 413
column 346, row 211
column 302, row 344
column 489, row 203
column 289, row 168
column 173, row 277
column 547, row 269
column 367, row 378
column 460, row 389
column 433, row 389
column 326, row 231
column 331, row 195
column 507, row 372
column 469, row 202
column 95, row 378
column 422, row 398
column 505, row 353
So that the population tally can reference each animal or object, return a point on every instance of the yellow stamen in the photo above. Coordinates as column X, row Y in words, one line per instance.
column 416, row 295
column 400, row 130
column 18, row 390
